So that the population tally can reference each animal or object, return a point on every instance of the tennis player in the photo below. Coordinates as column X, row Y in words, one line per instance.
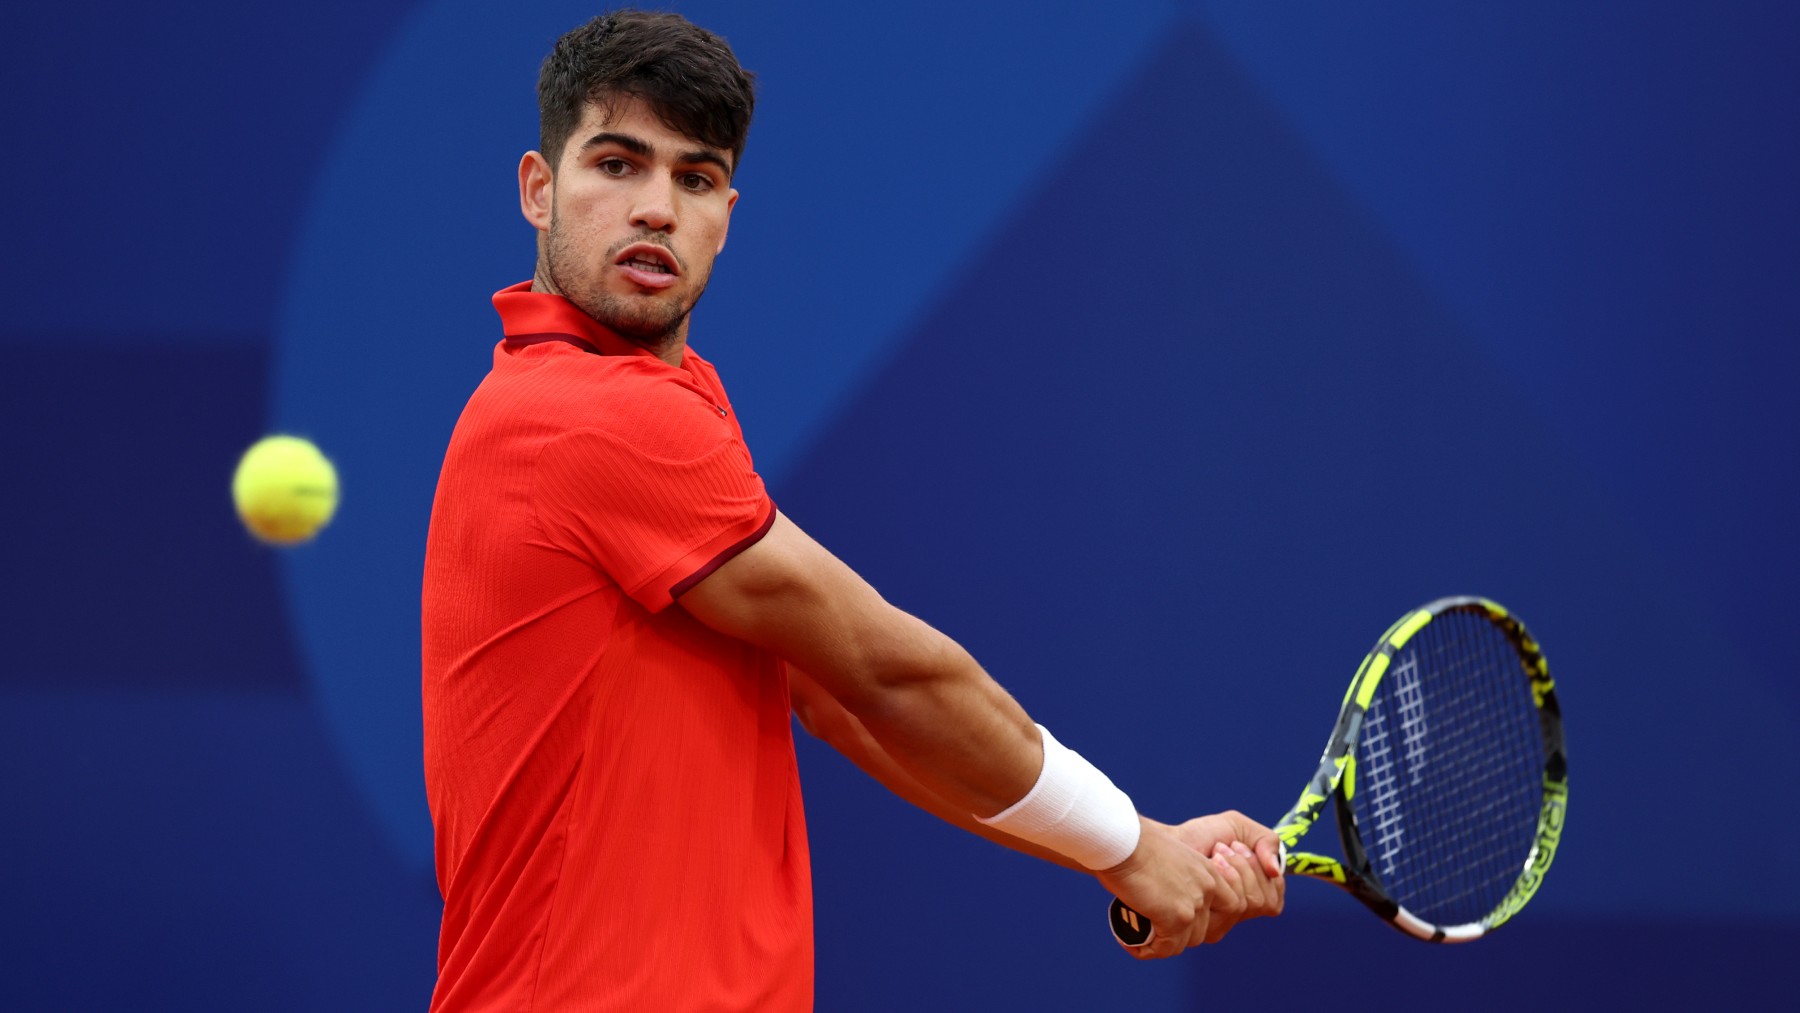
column 618, row 621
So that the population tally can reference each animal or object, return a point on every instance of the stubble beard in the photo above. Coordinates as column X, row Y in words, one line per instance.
column 644, row 320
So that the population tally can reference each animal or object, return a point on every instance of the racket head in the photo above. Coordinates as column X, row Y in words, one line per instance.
column 1453, row 778
column 1502, row 828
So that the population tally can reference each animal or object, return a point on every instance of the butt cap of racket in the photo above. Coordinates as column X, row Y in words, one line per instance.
column 1131, row 929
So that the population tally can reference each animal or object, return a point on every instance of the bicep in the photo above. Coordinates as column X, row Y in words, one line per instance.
column 790, row 596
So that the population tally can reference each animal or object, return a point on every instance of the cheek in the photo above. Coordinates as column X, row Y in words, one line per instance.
column 585, row 211
column 713, row 238
column 574, row 230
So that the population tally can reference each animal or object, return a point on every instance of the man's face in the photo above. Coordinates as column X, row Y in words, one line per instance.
column 632, row 219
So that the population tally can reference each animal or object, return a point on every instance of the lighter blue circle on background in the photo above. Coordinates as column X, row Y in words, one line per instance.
column 886, row 151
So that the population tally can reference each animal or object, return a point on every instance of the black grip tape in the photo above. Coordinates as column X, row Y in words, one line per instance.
column 1128, row 927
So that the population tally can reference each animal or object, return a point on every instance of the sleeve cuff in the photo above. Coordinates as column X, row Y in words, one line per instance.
column 675, row 580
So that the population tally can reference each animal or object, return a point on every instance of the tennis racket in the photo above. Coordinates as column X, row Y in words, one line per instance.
column 1448, row 770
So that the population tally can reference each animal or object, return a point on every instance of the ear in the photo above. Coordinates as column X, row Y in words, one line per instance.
column 537, row 190
column 730, row 202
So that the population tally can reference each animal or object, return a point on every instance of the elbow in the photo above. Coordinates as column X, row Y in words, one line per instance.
column 821, row 722
column 818, row 712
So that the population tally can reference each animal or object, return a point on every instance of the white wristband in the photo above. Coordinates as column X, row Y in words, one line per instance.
column 1074, row 810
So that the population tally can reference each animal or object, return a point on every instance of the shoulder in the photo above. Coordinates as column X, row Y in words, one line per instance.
column 652, row 413
column 695, row 363
column 638, row 400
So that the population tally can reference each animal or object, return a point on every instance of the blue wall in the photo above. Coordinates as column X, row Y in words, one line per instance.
column 1162, row 356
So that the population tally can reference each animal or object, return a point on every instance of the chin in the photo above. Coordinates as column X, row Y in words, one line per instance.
column 640, row 318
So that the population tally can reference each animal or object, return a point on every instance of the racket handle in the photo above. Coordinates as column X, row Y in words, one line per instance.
column 1128, row 927
column 1132, row 929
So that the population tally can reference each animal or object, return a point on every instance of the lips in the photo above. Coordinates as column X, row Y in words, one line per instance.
column 649, row 265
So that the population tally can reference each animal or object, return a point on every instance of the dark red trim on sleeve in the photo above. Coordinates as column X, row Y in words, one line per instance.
column 687, row 583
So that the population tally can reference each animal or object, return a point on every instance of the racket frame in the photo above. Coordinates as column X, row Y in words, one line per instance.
column 1335, row 778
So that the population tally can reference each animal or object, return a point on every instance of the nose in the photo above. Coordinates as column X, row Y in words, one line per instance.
column 655, row 208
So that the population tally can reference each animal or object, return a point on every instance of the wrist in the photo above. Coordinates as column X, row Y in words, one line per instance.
column 1074, row 810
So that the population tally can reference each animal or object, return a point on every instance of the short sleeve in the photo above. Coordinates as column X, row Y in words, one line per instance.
column 656, row 502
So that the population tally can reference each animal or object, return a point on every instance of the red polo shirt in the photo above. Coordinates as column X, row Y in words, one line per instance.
column 612, row 784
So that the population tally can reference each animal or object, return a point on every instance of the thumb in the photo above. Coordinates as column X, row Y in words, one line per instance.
column 1268, row 849
column 1261, row 840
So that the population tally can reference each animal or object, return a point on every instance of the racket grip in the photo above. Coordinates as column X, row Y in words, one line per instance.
column 1132, row 929
column 1128, row 927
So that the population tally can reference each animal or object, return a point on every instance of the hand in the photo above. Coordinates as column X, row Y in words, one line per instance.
column 1248, row 857
column 1174, row 886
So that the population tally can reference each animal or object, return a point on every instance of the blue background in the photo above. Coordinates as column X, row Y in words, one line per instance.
column 1162, row 353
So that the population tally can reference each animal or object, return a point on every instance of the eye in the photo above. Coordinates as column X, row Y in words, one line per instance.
column 696, row 182
column 614, row 166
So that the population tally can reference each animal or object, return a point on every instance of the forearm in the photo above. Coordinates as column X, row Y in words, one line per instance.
column 844, row 732
column 936, row 716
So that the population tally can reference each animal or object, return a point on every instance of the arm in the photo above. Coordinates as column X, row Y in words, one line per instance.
column 1245, row 852
column 825, row 719
column 914, row 703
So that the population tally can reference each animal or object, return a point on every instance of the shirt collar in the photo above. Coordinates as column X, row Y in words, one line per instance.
column 528, row 317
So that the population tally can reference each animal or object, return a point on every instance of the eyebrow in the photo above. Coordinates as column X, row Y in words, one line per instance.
column 640, row 148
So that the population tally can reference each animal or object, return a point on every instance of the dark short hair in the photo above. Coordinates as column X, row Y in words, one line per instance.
column 688, row 75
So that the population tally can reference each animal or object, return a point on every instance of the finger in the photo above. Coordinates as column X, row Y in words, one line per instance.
column 1268, row 850
column 1166, row 944
column 1251, row 902
column 1155, row 949
column 1256, row 883
column 1169, row 936
column 1228, row 899
column 1201, row 928
column 1247, row 863
column 1225, row 903
column 1259, row 838
column 1266, row 892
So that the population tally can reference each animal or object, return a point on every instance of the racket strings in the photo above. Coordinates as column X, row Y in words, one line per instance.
column 1482, row 789
column 1473, row 865
column 1449, row 769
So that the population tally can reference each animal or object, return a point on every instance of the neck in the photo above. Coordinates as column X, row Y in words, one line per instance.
column 670, row 348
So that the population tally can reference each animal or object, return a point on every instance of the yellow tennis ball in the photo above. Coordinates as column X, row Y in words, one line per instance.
column 285, row 490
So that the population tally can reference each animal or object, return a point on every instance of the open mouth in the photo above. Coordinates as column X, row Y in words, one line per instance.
column 647, row 264
column 649, row 259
